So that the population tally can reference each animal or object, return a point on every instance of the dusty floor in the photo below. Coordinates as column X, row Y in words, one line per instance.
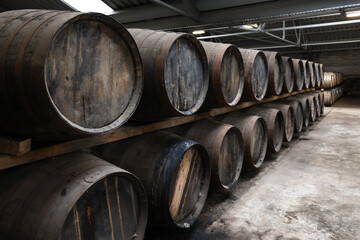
column 311, row 190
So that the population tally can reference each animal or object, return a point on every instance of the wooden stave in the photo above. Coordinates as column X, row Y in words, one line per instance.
column 154, row 47
column 312, row 103
column 45, row 121
column 161, row 145
column 47, row 185
column 312, row 74
column 274, row 87
column 247, row 123
column 318, row 74
column 216, row 53
column 211, row 135
column 298, row 74
column 249, row 57
column 271, row 117
column 289, row 83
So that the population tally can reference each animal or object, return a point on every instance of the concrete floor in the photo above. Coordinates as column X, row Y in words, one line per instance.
column 311, row 190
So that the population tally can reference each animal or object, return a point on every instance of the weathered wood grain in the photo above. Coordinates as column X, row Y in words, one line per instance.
column 289, row 78
column 74, row 196
column 14, row 146
column 174, row 171
column 276, row 71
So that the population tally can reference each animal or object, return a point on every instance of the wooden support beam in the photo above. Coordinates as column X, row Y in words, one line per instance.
column 7, row 161
column 15, row 146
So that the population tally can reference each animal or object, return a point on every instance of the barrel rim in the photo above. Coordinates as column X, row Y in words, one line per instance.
column 138, row 83
column 264, row 148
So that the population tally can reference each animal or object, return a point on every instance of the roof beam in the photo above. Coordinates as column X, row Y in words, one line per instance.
column 177, row 10
column 317, row 25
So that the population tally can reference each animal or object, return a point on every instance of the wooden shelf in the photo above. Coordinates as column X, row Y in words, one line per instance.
column 7, row 161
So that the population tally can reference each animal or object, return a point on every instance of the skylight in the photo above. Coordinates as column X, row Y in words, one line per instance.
column 89, row 6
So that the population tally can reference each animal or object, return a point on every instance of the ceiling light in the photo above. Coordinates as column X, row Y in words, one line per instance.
column 353, row 14
column 89, row 6
column 198, row 32
column 250, row 26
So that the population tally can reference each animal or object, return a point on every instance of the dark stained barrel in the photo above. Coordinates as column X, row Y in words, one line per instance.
column 317, row 99
column 289, row 75
column 298, row 74
column 318, row 74
column 313, row 77
column 304, row 102
column 312, row 104
column 226, row 79
column 254, row 133
column 307, row 74
column 224, row 145
column 176, row 74
column 288, row 117
column 74, row 196
column 321, row 66
column 256, row 74
column 322, row 105
column 275, row 126
column 174, row 171
column 276, row 79
column 66, row 74
column 298, row 113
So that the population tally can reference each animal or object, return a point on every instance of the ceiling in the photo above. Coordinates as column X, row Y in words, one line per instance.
column 290, row 26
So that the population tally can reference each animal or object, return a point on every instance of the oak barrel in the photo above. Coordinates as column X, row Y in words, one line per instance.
column 275, row 126
column 288, row 117
column 226, row 79
column 298, row 113
column 322, row 104
column 298, row 74
column 276, row 79
column 176, row 74
column 174, row 171
column 312, row 104
column 313, row 77
column 73, row 196
column 66, row 74
column 305, row 106
column 254, row 133
column 307, row 74
column 256, row 74
column 317, row 99
column 289, row 75
column 321, row 66
column 318, row 74
column 224, row 145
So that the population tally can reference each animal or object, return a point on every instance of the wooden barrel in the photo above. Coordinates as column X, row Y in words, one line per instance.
column 275, row 126
column 74, row 196
column 318, row 74
column 66, row 74
column 254, row 133
column 298, row 113
column 226, row 79
column 225, row 147
column 312, row 104
column 174, row 171
column 317, row 99
column 312, row 75
column 289, row 76
column 305, row 106
column 322, row 105
column 176, row 74
column 256, row 74
column 288, row 118
column 276, row 79
column 307, row 75
column 298, row 74
column 321, row 66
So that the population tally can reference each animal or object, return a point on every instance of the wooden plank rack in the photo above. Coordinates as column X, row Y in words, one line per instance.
column 20, row 153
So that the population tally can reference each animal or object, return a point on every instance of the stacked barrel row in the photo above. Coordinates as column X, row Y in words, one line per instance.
column 67, row 75
column 333, row 87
